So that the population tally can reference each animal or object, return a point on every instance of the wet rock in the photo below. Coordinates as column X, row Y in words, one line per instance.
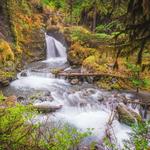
column 100, row 98
column 91, row 91
column 148, row 115
column 127, row 115
column 23, row 100
column 4, row 82
column 20, row 98
column 46, row 107
column 47, row 93
column 74, row 81
column 83, row 103
column 89, row 142
column 114, row 80
column 45, row 98
column 24, row 74
column 129, row 96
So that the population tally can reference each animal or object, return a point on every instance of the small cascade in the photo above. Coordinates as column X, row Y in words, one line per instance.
column 54, row 48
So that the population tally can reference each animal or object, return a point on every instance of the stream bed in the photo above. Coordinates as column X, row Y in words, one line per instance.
column 82, row 106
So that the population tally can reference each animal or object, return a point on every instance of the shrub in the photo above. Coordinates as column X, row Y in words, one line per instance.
column 6, row 52
column 139, row 138
column 19, row 131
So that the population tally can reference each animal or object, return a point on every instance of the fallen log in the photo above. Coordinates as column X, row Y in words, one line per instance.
column 73, row 74
column 139, row 103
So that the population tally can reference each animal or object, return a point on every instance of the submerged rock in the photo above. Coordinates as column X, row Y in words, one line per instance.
column 47, row 107
column 74, row 81
column 23, row 74
column 127, row 115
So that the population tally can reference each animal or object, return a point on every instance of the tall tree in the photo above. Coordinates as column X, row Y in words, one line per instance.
column 137, row 22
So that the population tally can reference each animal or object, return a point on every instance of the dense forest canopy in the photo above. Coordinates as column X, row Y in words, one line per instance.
column 130, row 17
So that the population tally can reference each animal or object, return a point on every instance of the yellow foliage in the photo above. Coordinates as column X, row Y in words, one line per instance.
column 92, row 64
column 6, row 52
column 79, row 28
column 78, row 53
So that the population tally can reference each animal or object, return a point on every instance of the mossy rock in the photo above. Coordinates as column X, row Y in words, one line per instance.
column 127, row 115
column 6, row 52
column 78, row 53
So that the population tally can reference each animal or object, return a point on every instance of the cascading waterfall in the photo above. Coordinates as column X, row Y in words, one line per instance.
column 81, row 107
column 54, row 49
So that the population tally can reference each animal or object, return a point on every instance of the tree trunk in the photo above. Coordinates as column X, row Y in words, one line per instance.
column 94, row 18
column 140, row 54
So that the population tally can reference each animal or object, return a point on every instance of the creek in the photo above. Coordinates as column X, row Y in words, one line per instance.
column 83, row 106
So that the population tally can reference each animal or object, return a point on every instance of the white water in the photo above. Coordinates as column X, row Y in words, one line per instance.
column 80, row 106
column 55, row 50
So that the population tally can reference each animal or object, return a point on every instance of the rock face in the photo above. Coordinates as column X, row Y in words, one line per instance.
column 127, row 115
column 47, row 107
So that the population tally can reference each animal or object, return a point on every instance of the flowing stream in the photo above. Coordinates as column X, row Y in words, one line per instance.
column 82, row 106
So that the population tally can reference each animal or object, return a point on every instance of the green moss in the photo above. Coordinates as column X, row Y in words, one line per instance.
column 84, row 36
column 94, row 63
column 6, row 52
column 7, row 74
column 115, row 86
column 78, row 53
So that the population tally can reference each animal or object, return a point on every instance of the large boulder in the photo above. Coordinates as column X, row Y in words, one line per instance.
column 127, row 115
column 46, row 107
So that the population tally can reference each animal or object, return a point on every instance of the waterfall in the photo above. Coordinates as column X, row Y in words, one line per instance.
column 54, row 48
column 83, row 106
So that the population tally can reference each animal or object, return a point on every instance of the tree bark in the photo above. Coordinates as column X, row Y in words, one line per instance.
column 94, row 18
column 140, row 54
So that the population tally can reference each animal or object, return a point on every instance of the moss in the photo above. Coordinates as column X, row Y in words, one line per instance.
column 6, row 74
column 6, row 52
column 78, row 53
column 85, row 37
column 104, row 85
column 115, row 86
column 94, row 63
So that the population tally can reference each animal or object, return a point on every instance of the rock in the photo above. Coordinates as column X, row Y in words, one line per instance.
column 20, row 98
column 47, row 107
column 11, row 101
column 100, row 98
column 45, row 98
column 113, row 80
column 5, row 82
column 24, row 74
column 148, row 115
column 129, row 96
column 91, row 91
column 74, row 81
column 47, row 93
column 127, row 115
column 23, row 100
